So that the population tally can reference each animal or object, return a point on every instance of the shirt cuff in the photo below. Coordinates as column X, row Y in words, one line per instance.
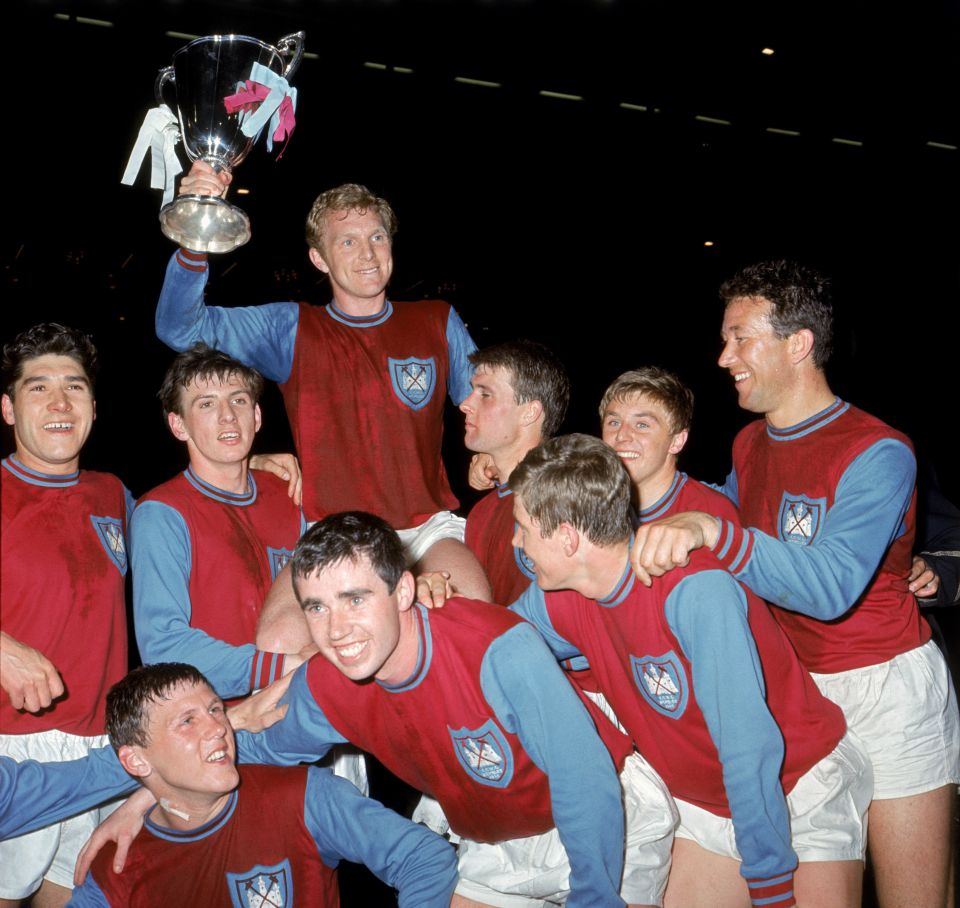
column 772, row 892
column 266, row 668
column 733, row 547
column 192, row 261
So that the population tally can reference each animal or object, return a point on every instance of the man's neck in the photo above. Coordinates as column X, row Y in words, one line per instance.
column 359, row 307
column 506, row 460
column 808, row 396
column 601, row 569
column 185, row 814
column 403, row 661
column 231, row 477
column 27, row 460
column 652, row 489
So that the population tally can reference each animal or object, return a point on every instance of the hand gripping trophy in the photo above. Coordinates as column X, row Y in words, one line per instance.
column 228, row 88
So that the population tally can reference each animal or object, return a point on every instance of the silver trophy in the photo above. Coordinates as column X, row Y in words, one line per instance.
column 228, row 89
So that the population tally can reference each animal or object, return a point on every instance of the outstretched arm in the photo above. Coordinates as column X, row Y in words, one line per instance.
column 708, row 613
column 531, row 697
column 420, row 865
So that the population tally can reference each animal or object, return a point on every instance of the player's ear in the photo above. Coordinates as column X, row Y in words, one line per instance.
column 319, row 262
column 532, row 411
column 678, row 441
column 175, row 422
column 569, row 538
column 6, row 404
column 801, row 344
column 406, row 591
column 133, row 761
column 257, row 418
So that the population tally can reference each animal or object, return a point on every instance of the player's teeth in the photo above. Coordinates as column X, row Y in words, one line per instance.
column 351, row 650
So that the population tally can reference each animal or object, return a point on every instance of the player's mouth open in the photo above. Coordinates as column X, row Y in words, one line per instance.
column 228, row 436
column 628, row 455
column 58, row 426
column 740, row 376
column 352, row 650
column 217, row 756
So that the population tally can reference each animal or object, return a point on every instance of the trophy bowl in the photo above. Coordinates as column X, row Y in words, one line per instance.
column 205, row 74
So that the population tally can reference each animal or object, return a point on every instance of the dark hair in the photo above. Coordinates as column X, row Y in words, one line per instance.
column 535, row 374
column 349, row 536
column 579, row 480
column 799, row 298
column 346, row 198
column 128, row 700
column 48, row 339
column 658, row 384
column 205, row 363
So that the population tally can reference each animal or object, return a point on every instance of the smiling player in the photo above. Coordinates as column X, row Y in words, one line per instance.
column 208, row 544
column 64, row 639
column 275, row 840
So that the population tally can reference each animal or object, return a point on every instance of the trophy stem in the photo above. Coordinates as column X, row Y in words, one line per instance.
column 204, row 223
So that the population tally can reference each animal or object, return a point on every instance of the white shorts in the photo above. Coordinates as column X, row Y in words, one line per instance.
column 49, row 853
column 534, row 871
column 828, row 808
column 442, row 525
column 904, row 713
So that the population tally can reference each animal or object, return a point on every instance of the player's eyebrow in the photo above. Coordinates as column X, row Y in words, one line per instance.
column 28, row 379
column 349, row 594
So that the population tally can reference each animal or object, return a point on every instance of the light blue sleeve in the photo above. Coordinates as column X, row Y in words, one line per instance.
column 708, row 614
column 825, row 579
column 260, row 336
column 533, row 700
column 88, row 895
column 34, row 795
column 303, row 735
column 416, row 862
column 459, row 347
column 532, row 607
column 729, row 488
column 161, row 557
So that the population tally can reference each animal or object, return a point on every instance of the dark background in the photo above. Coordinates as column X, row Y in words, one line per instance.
column 578, row 223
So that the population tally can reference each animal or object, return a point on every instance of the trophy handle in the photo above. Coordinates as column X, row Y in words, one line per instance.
column 165, row 75
column 291, row 46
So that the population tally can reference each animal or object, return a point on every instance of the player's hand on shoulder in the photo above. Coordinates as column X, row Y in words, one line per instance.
column 923, row 581
column 285, row 467
column 482, row 473
column 262, row 709
column 434, row 588
column 28, row 677
column 122, row 827
column 204, row 180
column 665, row 544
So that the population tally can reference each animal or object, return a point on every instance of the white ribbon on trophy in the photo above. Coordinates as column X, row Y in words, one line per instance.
column 159, row 134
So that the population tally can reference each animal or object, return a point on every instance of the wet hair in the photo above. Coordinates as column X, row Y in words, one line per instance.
column 128, row 701
column 576, row 479
column 346, row 198
column 205, row 363
column 799, row 298
column 535, row 374
column 43, row 340
column 658, row 384
column 350, row 536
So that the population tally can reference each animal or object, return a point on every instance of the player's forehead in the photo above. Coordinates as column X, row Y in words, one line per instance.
column 747, row 313
column 51, row 365
column 352, row 221
column 346, row 574
column 492, row 377
column 637, row 403
column 216, row 385
column 181, row 698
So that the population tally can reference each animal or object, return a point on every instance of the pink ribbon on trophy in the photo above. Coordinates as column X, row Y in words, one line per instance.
column 263, row 96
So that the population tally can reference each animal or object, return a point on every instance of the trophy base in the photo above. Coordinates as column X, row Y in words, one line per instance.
column 204, row 223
